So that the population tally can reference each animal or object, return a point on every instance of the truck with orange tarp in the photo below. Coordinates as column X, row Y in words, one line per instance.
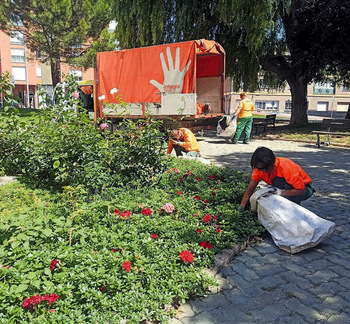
column 170, row 82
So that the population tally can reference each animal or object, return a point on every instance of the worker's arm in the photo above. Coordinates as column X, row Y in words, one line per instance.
column 248, row 192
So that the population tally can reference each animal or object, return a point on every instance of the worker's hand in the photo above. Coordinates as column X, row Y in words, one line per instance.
column 277, row 191
column 240, row 208
column 173, row 77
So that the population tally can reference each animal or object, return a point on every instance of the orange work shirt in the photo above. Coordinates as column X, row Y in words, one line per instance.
column 246, row 108
column 287, row 169
column 188, row 141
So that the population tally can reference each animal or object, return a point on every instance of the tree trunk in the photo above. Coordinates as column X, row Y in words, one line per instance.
column 298, row 89
column 55, row 72
column 298, row 86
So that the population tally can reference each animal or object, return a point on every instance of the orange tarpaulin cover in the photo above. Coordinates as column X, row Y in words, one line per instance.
column 141, row 74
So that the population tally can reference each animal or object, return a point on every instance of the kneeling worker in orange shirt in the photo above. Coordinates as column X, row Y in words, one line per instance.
column 182, row 140
column 288, row 178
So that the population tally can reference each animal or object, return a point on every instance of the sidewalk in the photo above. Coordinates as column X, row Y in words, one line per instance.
column 267, row 285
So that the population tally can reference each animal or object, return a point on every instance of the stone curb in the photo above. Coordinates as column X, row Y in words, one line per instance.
column 5, row 180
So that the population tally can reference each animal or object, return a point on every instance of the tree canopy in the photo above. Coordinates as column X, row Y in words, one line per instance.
column 267, row 42
column 58, row 29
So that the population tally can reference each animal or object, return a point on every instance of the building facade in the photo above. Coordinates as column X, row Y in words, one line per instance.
column 28, row 72
column 324, row 99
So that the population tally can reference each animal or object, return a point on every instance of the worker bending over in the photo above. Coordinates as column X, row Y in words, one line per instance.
column 182, row 140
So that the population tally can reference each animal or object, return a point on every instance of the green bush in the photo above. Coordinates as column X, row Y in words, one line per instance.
column 92, row 239
column 58, row 148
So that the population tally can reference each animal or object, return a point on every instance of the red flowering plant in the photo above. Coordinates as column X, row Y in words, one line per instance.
column 54, row 264
column 206, row 245
column 32, row 303
column 186, row 256
column 146, row 212
column 125, row 214
column 126, row 266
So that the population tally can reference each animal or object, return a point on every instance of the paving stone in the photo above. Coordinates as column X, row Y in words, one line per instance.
column 328, row 287
column 269, row 314
column 308, row 313
column 209, row 303
column 321, row 276
column 339, row 319
column 206, row 317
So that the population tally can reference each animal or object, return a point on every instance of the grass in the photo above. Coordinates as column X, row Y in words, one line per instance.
column 304, row 133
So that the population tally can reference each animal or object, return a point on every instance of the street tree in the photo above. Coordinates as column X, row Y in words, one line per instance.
column 267, row 43
column 59, row 30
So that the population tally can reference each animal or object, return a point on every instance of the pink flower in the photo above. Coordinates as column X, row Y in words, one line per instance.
column 103, row 126
column 126, row 265
column 51, row 310
column 199, row 231
column 146, row 211
column 186, row 256
column 168, row 207
column 206, row 245
column 154, row 236
column 76, row 94
column 207, row 218
column 197, row 197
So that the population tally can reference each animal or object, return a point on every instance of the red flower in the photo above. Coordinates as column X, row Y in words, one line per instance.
column 186, row 256
column 213, row 193
column 199, row 230
column 218, row 230
column 212, row 176
column 126, row 265
column 197, row 197
column 205, row 201
column 206, row 245
column 207, row 218
column 185, row 175
column 146, row 211
column 154, row 236
column 54, row 264
column 29, row 303
column 179, row 192
column 198, row 178
column 125, row 213
column 112, row 250
column 180, row 179
column 215, row 218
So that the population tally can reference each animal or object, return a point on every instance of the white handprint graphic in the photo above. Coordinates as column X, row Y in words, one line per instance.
column 173, row 77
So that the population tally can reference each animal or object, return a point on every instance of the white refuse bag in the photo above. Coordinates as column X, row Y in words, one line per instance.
column 292, row 227
column 227, row 126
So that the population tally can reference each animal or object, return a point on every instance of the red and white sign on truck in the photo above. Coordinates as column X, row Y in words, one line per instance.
column 171, row 80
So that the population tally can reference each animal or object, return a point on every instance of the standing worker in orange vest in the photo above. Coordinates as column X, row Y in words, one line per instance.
column 245, row 119
column 183, row 140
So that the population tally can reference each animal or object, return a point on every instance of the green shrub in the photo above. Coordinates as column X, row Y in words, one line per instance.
column 58, row 148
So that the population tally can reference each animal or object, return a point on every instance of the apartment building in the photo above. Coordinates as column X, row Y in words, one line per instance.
column 324, row 99
column 28, row 72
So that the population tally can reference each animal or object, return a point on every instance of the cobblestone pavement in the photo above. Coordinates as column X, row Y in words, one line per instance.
column 267, row 285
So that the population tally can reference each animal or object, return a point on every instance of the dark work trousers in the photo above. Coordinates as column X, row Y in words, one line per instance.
column 179, row 149
column 281, row 183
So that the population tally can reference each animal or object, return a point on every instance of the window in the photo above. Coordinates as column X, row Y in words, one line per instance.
column 37, row 55
column 322, row 106
column 17, row 55
column 38, row 71
column 324, row 88
column 77, row 74
column 16, row 37
column 16, row 20
column 19, row 73
column 288, row 106
column 266, row 105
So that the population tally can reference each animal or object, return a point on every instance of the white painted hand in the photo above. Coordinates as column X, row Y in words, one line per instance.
column 173, row 77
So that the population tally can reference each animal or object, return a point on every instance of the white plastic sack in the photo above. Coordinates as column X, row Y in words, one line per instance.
column 227, row 126
column 292, row 227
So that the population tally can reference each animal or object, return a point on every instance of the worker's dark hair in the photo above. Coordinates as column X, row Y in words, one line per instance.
column 263, row 158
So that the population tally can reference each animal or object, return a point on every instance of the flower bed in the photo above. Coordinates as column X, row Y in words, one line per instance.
column 125, row 255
